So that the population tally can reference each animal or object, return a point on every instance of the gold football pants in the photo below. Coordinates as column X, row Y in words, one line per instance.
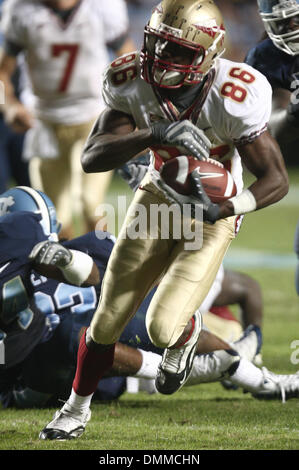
column 63, row 179
column 184, row 277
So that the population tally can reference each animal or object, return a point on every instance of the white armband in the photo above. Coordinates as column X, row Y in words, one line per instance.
column 79, row 269
column 244, row 202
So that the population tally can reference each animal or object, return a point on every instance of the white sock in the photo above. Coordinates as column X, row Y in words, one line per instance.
column 149, row 367
column 78, row 402
column 247, row 376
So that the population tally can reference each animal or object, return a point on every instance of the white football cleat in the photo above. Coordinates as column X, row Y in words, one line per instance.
column 176, row 364
column 212, row 367
column 250, row 343
column 276, row 386
column 67, row 423
column 248, row 346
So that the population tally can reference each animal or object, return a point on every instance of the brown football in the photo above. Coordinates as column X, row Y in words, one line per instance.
column 217, row 181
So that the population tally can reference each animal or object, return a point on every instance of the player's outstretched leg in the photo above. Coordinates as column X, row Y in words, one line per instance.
column 261, row 383
column 277, row 386
column 176, row 364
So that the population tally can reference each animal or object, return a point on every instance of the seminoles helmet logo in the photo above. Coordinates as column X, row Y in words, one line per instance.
column 158, row 9
column 210, row 29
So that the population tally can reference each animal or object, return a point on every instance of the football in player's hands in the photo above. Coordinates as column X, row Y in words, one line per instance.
column 217, row 182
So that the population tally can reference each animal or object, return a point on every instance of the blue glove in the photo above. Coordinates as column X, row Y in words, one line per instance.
column 134, row 170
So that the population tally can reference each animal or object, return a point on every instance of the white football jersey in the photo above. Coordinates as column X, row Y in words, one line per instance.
column 233, row 107
column 65, row 61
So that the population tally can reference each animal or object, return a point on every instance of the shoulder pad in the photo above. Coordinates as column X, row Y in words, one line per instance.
column 123, row 70
column 246, row 89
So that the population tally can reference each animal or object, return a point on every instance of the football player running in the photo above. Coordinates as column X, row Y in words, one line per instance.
column 66, row 46
column 177, row 97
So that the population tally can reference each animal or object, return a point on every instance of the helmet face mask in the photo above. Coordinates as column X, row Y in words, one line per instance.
column 23, row 198
column 281, row 21
column 181, row 43
column 173, row 62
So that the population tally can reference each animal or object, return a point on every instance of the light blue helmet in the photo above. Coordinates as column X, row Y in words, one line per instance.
column 281, row 21
column 23, row 198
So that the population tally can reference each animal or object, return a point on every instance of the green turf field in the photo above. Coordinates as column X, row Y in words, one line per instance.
column 206, row 416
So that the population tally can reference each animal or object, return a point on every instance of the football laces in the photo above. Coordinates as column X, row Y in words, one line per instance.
column 215, row 162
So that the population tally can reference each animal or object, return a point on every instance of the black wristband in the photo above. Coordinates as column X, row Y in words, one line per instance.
column 158, row 130
column 211, row 214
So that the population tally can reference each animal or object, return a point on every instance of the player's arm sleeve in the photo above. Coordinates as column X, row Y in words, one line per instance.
column 112, row 95
column 247, row 119
column 13, row 27
column 97, row 244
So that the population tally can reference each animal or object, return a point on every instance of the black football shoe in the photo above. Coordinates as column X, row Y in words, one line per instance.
column 176, row 363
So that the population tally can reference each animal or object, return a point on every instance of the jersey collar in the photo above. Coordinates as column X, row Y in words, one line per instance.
column 191, row 112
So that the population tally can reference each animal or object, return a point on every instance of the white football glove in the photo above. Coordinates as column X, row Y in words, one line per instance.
column 51, row 253
column 184, row 135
